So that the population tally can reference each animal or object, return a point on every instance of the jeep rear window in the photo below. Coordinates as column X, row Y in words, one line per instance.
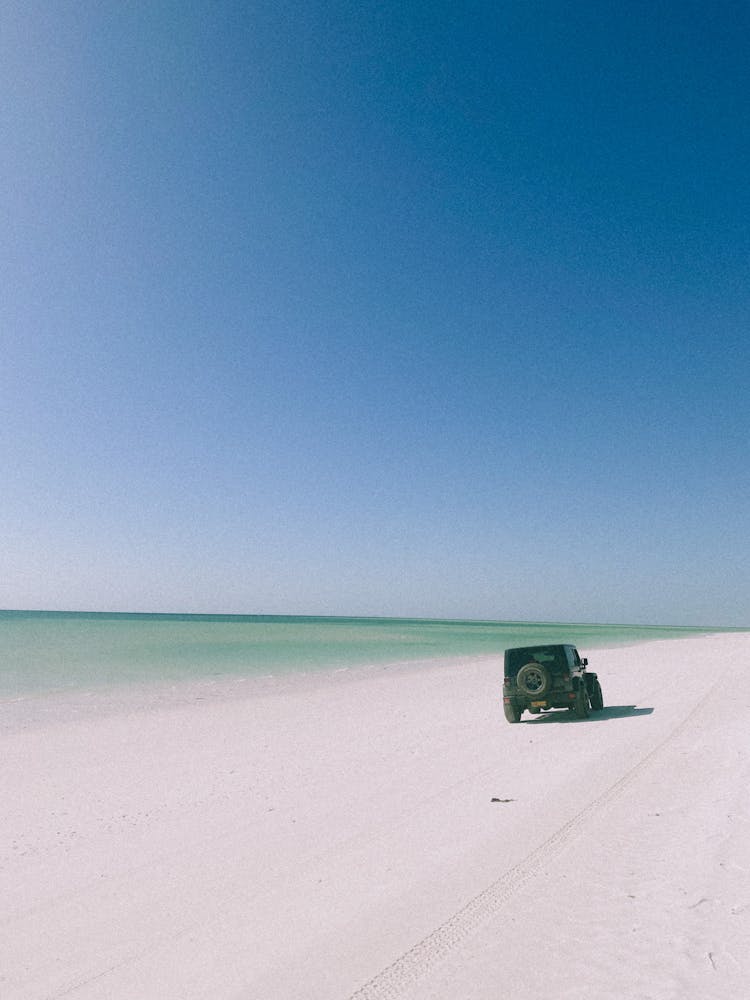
column 550, row 656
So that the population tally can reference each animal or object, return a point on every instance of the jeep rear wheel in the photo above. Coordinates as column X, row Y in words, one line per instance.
column 533, row 680
column 512, row 714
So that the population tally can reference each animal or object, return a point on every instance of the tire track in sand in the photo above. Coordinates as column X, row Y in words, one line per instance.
column 391, row 982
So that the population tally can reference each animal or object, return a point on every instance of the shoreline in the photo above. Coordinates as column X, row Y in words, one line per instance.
column 71, row 651
column 234, row 683
column 34, row 706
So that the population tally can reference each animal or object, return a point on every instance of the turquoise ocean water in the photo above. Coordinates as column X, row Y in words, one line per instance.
column 47, row 650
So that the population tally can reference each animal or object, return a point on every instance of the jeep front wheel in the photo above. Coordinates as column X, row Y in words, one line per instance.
column 597, row 698
column 533, row 680
column 581, row 704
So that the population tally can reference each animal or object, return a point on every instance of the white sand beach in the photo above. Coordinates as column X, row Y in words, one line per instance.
column 383, row 833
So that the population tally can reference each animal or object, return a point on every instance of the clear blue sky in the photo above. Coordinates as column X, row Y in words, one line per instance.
column 434, row 309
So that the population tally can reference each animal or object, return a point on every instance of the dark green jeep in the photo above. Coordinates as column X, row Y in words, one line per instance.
column 541, row 677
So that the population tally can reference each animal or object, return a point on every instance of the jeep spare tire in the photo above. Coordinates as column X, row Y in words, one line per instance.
column 533, row 680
